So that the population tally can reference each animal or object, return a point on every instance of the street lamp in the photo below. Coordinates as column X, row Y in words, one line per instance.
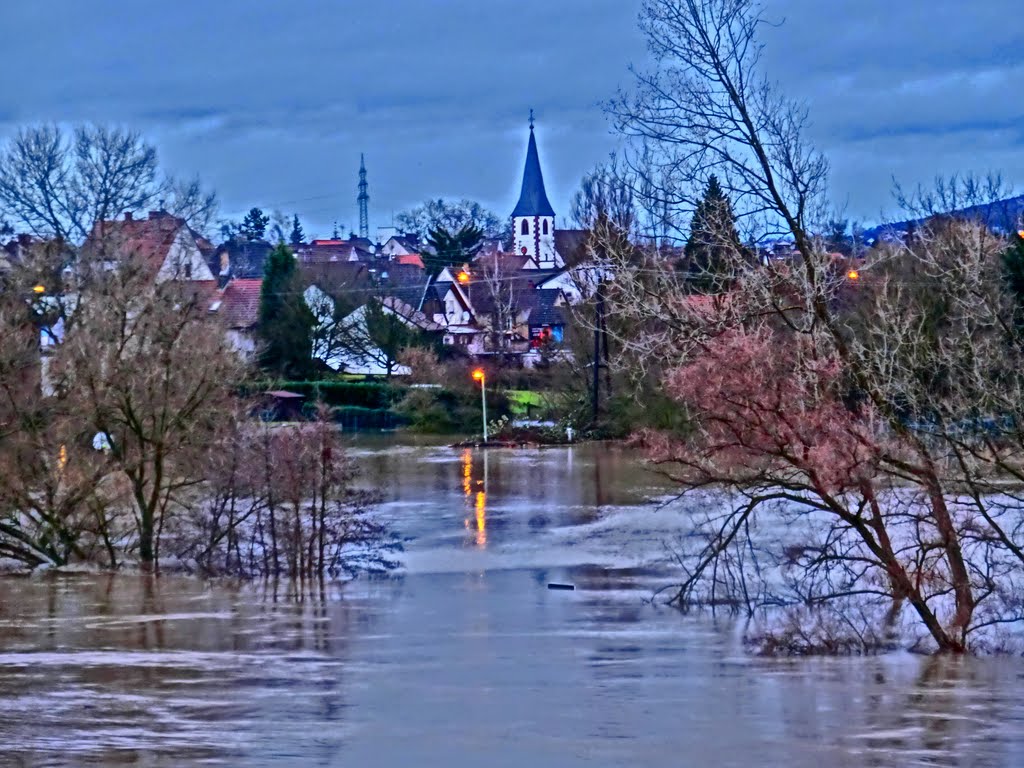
column 478, row 375
column 38, row 289
column 853, row 274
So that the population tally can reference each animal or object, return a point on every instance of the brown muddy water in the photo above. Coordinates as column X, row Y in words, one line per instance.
column 467, row 659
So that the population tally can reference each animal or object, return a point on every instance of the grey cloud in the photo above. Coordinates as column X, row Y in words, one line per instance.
column 271, row 103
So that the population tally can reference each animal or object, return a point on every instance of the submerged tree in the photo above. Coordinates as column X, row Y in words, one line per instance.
column 282, row 502
column 127, row 441
column 157, row 374
column 859, row 462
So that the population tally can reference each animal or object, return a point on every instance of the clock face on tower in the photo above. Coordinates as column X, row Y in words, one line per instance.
column 524, row 250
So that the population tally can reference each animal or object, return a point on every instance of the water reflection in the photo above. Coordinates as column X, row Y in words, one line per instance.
column 134, row 669
column 468, row 659
column 474, row 492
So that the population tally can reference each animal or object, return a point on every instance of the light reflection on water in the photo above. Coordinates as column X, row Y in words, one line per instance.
column 468, row 659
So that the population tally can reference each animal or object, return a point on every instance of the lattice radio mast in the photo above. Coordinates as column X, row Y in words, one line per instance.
column 364, row 200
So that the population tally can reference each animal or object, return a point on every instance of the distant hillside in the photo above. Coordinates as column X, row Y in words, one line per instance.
column 1000, row 216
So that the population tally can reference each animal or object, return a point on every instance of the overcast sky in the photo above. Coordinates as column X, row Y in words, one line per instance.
column 271, row 102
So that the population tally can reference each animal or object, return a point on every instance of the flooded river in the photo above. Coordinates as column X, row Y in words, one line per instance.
column 467, row 659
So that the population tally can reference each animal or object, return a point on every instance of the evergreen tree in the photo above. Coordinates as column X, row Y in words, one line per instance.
column 714, row 244
column 254, row 225
column 452, row 248
column 286, row 323
column 297, row 237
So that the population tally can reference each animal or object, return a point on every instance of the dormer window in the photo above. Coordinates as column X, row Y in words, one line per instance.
column 525, row 229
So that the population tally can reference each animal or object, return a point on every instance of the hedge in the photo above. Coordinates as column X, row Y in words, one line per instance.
column 363, row 394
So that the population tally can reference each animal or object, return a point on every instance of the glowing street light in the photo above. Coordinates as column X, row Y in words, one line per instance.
column 853, row 274
column 463, row 277
column 38, row 289
column 478, row 375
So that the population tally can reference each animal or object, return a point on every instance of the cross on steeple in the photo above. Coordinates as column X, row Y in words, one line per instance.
column 531, row 119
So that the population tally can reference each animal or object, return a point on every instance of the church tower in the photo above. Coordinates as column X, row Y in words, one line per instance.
column 533, row 219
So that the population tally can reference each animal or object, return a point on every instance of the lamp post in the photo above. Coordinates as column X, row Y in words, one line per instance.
column 478, row 375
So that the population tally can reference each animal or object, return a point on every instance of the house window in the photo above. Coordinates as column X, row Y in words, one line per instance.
column 545, row 226
column 188, row 270
column 526, row 227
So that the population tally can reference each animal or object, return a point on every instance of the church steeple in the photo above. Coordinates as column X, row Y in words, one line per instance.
column 533, row 199
column 533, row 218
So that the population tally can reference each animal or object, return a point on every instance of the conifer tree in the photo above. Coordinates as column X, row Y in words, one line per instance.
column 254, row 225
column 452, row 248
column 286, row 323
column 297, row 236
column 713, row 244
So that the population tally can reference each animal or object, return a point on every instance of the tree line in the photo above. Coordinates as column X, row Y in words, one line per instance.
column 123, row 435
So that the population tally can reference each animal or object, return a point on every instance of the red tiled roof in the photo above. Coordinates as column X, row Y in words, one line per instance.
column 410, row 258
column 239, row 303
column 145, row 239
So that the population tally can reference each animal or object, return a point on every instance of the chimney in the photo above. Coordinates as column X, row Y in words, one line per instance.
column 127, row 215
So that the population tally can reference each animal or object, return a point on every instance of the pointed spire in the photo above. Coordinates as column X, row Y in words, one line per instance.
column 533, row 200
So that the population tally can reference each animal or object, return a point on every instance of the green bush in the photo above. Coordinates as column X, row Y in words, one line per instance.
column 448, row 411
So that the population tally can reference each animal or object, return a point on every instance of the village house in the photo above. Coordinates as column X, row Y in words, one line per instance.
column 500, row 303
column 228, row 279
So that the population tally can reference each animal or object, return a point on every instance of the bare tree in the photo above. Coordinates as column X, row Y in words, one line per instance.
column 499, row 291
column 59, row 185
column 280, row 501
column 155, row 373
column 606, row 191
column 856, row 441
column 125, row 436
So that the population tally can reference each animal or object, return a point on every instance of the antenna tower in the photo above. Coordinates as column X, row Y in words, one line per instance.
column 364, row 200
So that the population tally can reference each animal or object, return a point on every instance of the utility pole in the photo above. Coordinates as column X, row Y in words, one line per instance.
column 364, row 200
